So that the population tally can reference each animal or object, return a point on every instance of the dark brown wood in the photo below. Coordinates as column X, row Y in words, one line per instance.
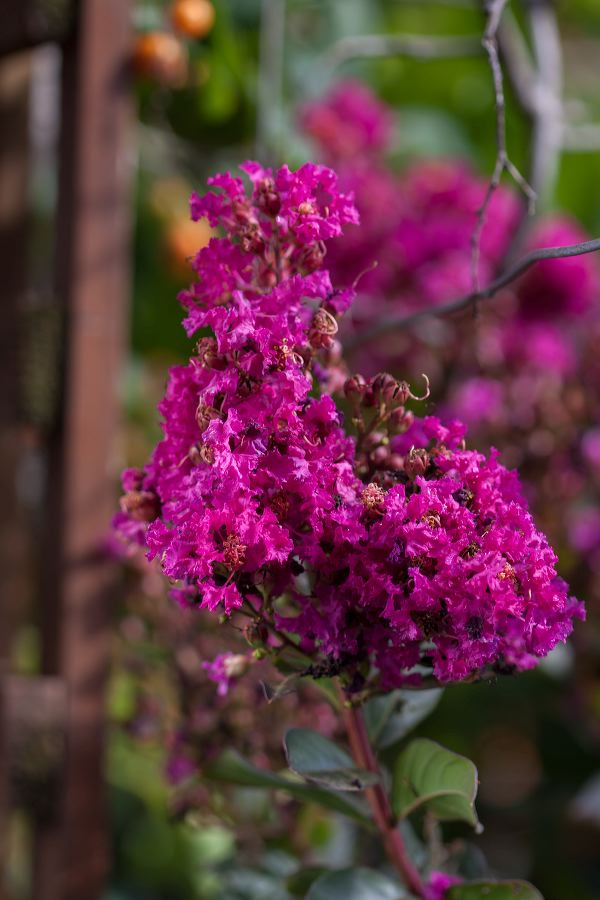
column 92, row 285
column 15, row 76
column 27, row 23
column 35, row 717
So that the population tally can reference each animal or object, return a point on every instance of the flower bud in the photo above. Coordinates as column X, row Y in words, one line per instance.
column 385, row 387
column 312, row 257
column 368, row 399
column 403, row 392
column 380, row 455
column 416, row 463
column 355, row 387
column 395, row 462
column 401, row 419
column 373, row 439
column 267, row 199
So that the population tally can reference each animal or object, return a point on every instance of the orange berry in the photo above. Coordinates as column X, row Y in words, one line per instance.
column 161, row 57
column 182, row 240
column 193, row 18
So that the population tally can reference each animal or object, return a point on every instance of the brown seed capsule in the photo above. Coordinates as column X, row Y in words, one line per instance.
column 201, row 453
column 324, row 326
column 267, row 198
column 209, row 355
column 141, row 506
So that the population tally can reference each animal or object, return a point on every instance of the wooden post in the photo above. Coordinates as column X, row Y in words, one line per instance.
column 14, row 108
column 92, row 284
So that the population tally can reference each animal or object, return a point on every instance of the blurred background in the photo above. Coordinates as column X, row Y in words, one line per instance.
column 111, row 113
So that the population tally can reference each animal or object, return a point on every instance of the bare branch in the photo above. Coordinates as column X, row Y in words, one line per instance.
column 470, row 300
column 503, row 163
column 548, row 107
column 413, row 46
column 537, row 84
column 270, row 80
column 517, row 63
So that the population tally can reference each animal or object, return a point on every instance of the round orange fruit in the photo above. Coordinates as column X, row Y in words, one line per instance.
column 161, row 57
column 193, row 18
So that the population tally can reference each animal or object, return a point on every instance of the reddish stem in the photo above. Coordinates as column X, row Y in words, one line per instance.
column 378, row 800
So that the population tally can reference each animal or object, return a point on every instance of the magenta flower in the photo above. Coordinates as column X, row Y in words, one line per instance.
column 350, row 121
column 559, row 288
column 438, row 885
column 389, row 553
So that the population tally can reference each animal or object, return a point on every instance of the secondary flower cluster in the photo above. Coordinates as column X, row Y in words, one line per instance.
column 524, row 375
column 387, row 549
column 419, row 223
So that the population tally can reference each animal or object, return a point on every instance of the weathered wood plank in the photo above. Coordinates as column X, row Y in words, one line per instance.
column 15, row 76
column 28, row 23
column 93, row 287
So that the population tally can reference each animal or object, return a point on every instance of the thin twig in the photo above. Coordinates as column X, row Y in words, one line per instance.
column 503, row 163
column 469, row 300
column 413, row 46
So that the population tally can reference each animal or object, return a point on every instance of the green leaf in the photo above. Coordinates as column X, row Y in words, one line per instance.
column 494, row 890
column 355, row 884
column 427, row 773
column 232, row 768
column 391, row 716
column 301, row 881
column 319, row 760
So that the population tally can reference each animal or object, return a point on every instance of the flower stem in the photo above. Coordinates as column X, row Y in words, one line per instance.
column 378, row 800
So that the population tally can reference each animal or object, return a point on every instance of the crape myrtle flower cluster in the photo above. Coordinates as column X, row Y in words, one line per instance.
column 386, row 549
